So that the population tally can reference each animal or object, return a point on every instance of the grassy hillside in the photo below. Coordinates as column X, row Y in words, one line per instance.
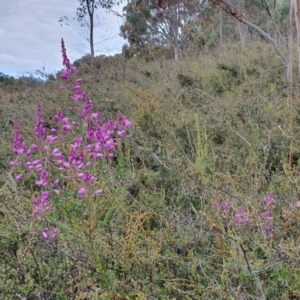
column 211, row 139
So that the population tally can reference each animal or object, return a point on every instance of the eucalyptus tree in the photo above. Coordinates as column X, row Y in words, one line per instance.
column 134, row 29
column 161, row 22
column 276, row 37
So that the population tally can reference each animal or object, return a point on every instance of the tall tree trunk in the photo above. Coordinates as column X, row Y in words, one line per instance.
column 221, row 26
column 176, row 52
column 92, row 40
column 91, row 16
column 297, row 20
column 242, row 36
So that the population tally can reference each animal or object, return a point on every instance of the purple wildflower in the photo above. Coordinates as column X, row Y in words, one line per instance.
column 19, row 177
column 39, row 129
column 81, row 192
column 50, row 234
column 13, row 163
column 241, row 218
column 223, row 207
column 98, row 192
column 122, row 121
column 19, row 144
column 266, row 225
column 66, row 62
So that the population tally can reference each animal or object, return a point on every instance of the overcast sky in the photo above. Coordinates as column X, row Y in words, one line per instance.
column 30, row 35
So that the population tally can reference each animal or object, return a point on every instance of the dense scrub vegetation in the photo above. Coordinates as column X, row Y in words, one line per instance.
column 210, row 140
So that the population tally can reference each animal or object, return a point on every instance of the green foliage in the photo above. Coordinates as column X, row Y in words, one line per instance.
column 168, row 25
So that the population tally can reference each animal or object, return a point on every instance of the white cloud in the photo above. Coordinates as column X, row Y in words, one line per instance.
column 30, row 35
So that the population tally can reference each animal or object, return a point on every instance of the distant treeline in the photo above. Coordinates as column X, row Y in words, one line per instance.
column 6, row 80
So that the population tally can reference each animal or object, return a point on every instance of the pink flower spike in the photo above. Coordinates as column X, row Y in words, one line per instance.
column 81, row 192
column 65, row 120
column 64, row 75
column 127, row 123
column 56, row 182
column 88, row 148
column 53, row 130
column 79, row 80
column 39, row 182
column 97, row 155
column 34, row 147
column 28, row 153
column 66, row 165
column 225, row 207
column 121, row 132
column 36, row 162
column 19, row 177
column 51, row 138
column 80, row 166
column 55, row 151
column 77, row 89
column 36, row 201
column 57, row 192
column 13, row 163
column 80, row 175
column 66, row 127
column 19, row 144
column 94, row 116
column 30, row 167
column 55, row 233
column 216, row 205
column 98, row 192
column 241, row 217
column 39, row 167
column 45, row 235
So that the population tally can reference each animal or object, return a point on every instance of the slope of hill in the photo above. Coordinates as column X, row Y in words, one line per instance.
column 199, row 202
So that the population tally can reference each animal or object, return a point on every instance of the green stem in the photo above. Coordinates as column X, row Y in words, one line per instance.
column 99, row 267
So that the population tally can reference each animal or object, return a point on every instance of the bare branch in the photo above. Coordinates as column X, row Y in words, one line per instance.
column 231, row 10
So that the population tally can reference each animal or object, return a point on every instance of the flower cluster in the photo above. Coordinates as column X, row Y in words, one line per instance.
column 65, row 74
column 241, row 218
column 19, row 144
column 39, row 129
column 266, row 225
column 222, row 207
column 67, row 151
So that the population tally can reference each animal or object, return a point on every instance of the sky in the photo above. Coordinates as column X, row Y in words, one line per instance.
column 30, row 35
